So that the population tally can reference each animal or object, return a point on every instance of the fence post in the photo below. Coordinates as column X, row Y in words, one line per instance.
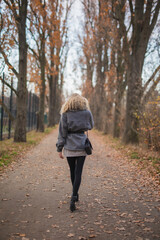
column 10, row 109
column 32, row 111
column 29, row 112
column 35, row 111
column 2, row 111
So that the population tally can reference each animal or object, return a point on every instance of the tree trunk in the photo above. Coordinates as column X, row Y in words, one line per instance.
column 89, row 74
column 52, row 100
column 51, row 108
column 42, row 67
column 99, row 99
column 20, row 124
column 117, row 118
column 42, row 91
column 110, row 96
column 142, row 29
column 117, row 110
column 58, row 99
column 52, row 87
column 133, row 101
column 120, row 88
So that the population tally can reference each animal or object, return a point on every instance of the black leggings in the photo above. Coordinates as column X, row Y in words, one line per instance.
column 76, row 167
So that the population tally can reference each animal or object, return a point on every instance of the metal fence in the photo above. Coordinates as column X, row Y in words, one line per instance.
column 8, row 100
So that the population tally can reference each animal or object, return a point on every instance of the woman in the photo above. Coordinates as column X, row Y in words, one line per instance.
column 76, row 118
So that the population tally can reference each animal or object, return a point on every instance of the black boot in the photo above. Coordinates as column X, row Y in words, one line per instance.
column 72, row 203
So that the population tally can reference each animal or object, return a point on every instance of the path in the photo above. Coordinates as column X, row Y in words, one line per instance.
column 115, row 201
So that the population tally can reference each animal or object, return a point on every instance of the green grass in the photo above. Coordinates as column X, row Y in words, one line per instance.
column 155, row 163
column 135, row 155
column 11, row 151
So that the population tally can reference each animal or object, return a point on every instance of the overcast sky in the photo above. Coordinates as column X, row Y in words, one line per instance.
column 73, row 78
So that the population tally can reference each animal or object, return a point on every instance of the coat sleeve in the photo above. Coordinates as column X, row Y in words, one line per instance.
column 91, row 120
column 63, row 129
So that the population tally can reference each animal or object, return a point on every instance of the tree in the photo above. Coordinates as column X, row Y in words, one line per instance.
column 18, row 15
column 95, row 47
column 136, row 35
column 120, row 76
column 87, row 60
column 38, row 32
column 56, row 55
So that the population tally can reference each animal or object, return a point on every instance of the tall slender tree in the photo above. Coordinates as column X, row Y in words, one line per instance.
column 57, row 54
column 18, row 13
column 38, row 32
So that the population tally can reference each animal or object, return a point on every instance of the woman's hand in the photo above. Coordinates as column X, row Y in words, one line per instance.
column 61, row 155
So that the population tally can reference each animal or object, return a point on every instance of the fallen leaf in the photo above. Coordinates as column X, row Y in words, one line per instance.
column 101, row 226
column 70, row 235
column 109, row 232
column 55, row 226
column 148, row 214
column 22, row 235
column 136, row 221
column 121, row 229
column 16, row 234
column 123, row 214
column 147, row 229
column 92, row 236
column 149, row 220
column 139, row 238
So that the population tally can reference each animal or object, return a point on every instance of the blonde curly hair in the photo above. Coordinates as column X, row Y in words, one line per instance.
column 75, row 102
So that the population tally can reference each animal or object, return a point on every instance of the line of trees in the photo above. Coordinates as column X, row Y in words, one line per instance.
column 115, row 42
column 35, row 30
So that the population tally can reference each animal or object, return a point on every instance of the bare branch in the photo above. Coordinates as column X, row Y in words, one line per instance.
column 151, row 78
column 33, row 52
column 8, row 63
column 154, row 20
column 8, row 85
column 132, row 12
column 150, row 91
column 12, row 7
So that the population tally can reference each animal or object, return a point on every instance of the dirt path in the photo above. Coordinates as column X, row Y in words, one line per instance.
column 115, row 200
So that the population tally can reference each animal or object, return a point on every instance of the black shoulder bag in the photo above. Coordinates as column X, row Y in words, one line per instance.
column 88, row 146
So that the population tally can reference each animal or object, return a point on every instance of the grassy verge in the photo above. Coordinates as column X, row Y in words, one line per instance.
column 145, row 159
column 10, row 151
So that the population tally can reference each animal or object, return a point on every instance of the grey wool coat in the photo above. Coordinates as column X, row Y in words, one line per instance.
column 71, row 127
